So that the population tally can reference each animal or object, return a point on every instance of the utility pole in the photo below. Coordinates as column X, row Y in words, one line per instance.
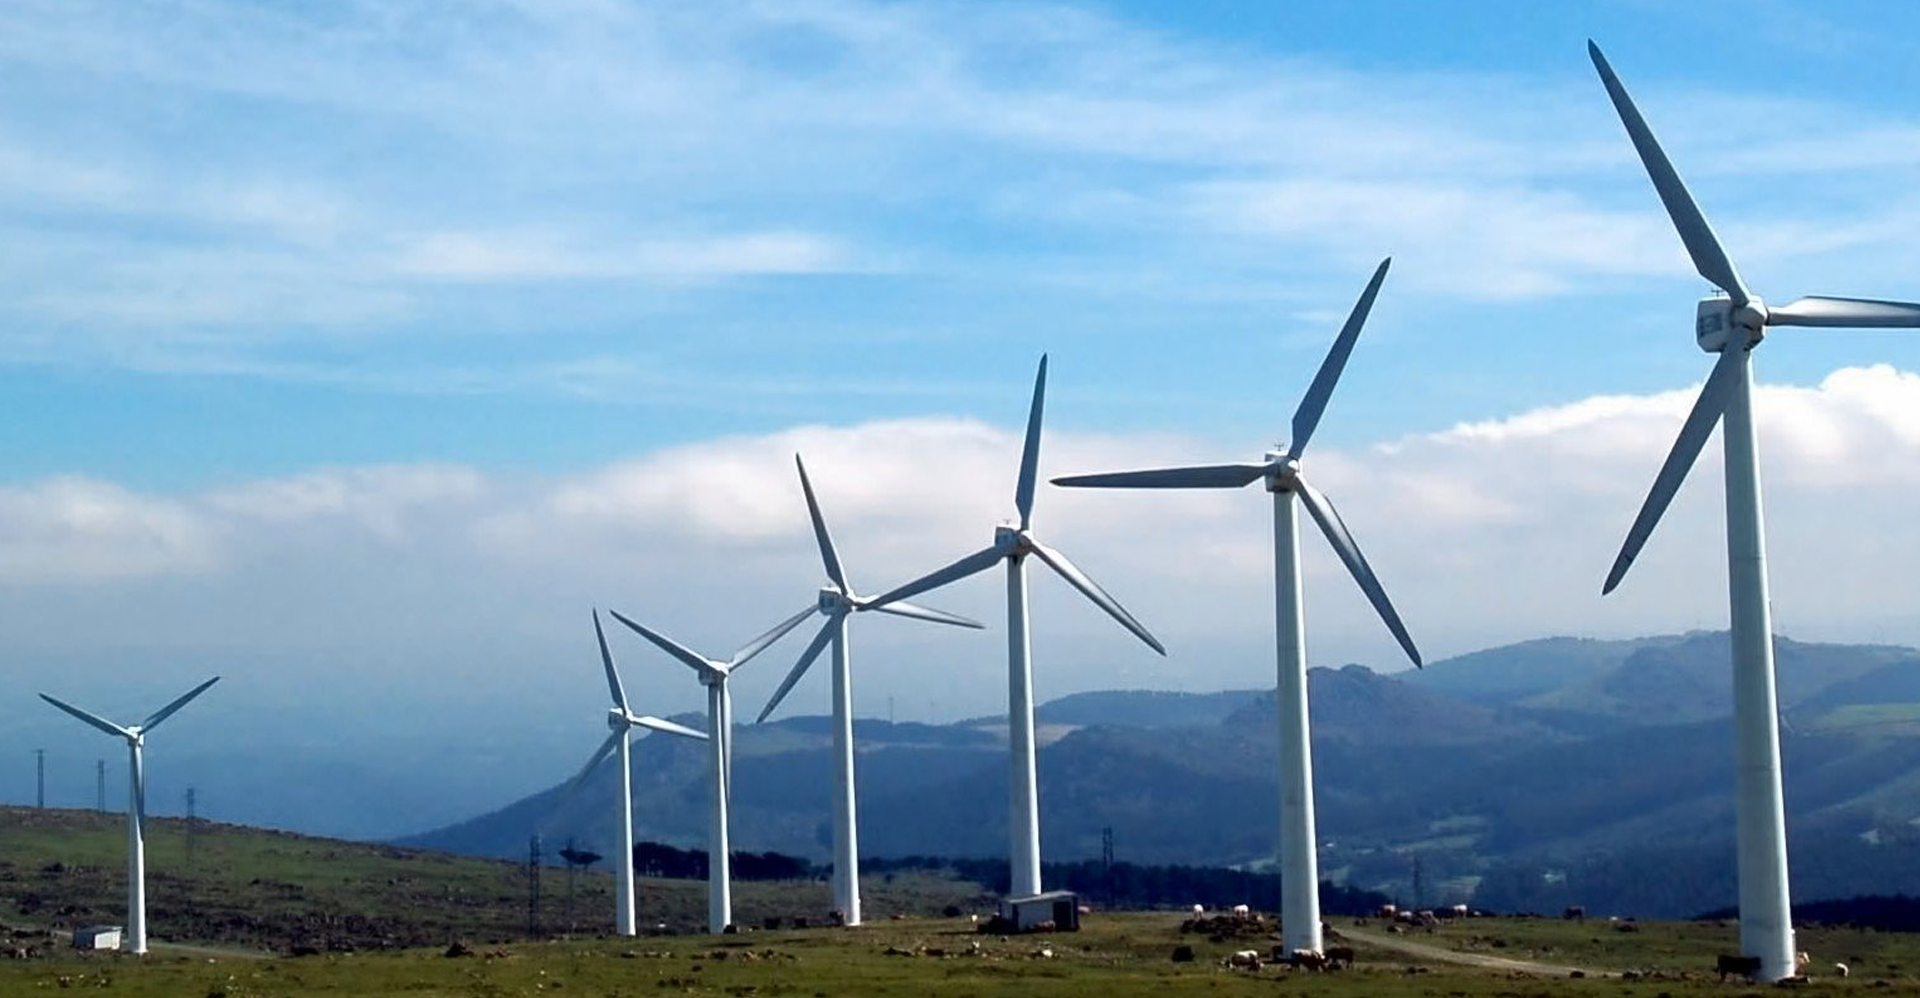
column 1106, row 862
column 192, row 825
column 533, row 887
column 1419, row 885
column 100, row 785
column 40, row 770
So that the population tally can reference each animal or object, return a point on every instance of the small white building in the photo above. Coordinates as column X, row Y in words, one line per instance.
column 1060, row 908
column 97, row 937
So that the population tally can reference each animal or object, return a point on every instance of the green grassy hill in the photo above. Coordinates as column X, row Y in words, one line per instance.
column 253, row 889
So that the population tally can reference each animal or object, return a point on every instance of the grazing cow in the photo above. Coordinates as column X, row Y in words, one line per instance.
column 1242, row 910
column 1801, row 961
column 1745, row 966
column 1199, row 909
column 1575, row 913
column 1386, row 911
column 1246, row 959
column 1339, row 957
column 1306, row 959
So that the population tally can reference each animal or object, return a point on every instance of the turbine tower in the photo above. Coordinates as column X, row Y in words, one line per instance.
column 714, row 675
column 1299, row 864
column 1012, row 543
column 135, row 736
column 1732, row 327
column 622, row 722
column 837, row 602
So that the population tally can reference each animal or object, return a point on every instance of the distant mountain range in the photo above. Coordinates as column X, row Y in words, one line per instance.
column 1524, row 777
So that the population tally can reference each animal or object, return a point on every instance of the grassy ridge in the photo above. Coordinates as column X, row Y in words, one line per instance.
column 249, row 887
column 1117, row 955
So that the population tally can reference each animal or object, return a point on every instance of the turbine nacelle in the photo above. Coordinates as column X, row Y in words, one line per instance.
column 1012, row 541
column 1283, row 471
column 834, row 601
column 1718, row 321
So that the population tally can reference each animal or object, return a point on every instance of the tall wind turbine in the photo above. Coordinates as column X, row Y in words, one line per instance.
column 135, row 736
column 1299, row 864
column 1732, row 326
column 1012, row 544
column 837, row 601
column 714, row 675
column 622, row 721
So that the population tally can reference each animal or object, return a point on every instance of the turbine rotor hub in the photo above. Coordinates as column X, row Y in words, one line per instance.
column 1718, row 323
column 834, row 601
column 1012, row 539
column 1282, row 472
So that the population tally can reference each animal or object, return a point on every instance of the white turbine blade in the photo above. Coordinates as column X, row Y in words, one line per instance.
column 778, row 631
column 153, row 720
column 1307, row 416
column 1708, row 256
column 1030, row 451
column 93, row 719
column 1323, row 513
column 979, row 561
column 606, row 659
column 652, row 723
column 827, row 555
column 1091, row 589
column 1206, row 476
column 902, row 608
column 1693, row 436
column 593, row 762
column 694, row 661
column 1854, row 313
column 799, row 669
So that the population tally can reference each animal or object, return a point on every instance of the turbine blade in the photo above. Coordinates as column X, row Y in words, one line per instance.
column 1854, row 313
column 799, row 669
column 1307, row 416
column 827, row 554
column 1030, row 452
column 775, row 633
column 1091, row 589
column 1708, row 256
column 93, row 719
column 1207, row 476
column 979, row 561
column 593, row 762
column 652, row 723
column 153, row 720
column 668, row 645
column 902, row 608
column 1686, row 447
column 606, row 659
column 1323, row 513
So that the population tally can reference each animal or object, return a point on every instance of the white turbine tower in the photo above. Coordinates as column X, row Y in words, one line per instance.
column 837, row 602
column 623, row 721
column 1299, row 864
column 135, row 736
column 1012, row 544
column 1732, row 326
column 714, row 675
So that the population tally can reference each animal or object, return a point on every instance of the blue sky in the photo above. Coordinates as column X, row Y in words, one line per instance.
column 250, row 239
column 358, row 348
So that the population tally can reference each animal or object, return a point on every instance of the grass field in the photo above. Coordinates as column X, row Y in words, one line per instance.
column 1116, row 955
column 272, row 891
column 382, row 919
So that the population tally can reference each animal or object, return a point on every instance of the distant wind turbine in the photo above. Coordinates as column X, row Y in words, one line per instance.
column 1732, row 327
column 837, row 602
column 623, row 721
column 1012, row 544
column 714, row 675
column 135, row 736
column 1299, row 864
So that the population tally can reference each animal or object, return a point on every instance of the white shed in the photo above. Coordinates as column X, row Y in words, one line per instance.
column 1060, row 908
column 97, row 937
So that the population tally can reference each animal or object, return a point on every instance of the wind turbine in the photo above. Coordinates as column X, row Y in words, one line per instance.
column 837, row 602
column 1732, row 326
column 1012, row 544
column 1299, row 865
column 622, row 721
column 713, row 675
column 135, row 736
